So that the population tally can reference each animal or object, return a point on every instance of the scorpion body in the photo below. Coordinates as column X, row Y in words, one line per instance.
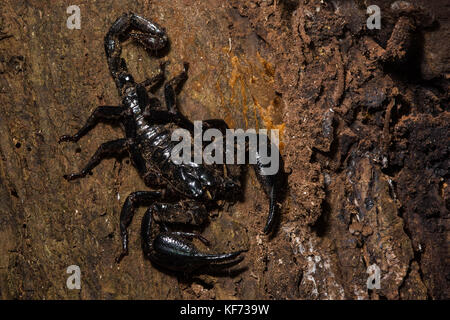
column 181, row 193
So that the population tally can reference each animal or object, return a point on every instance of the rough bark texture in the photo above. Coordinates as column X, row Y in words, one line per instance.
column 365, row 129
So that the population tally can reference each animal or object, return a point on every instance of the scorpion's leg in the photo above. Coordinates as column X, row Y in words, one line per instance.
column 271, row 183
column 107, row 149
column 172, row 114
column 173, row 250
column 152, row 83
column 133, row 201
column 164, row 117
column 191, row 235
column 188, row 235
column 184, row 212
column 173, row 87
column 188, row 212
column 100, row 114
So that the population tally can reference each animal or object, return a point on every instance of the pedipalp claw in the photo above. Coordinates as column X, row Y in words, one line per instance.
column 175, row 252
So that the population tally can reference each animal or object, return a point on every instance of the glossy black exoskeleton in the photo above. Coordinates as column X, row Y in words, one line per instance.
column 181, row 193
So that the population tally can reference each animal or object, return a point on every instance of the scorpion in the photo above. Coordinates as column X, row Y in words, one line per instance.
column 180, row 193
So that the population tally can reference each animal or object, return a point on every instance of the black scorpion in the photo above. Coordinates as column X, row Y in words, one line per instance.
column 182, row 193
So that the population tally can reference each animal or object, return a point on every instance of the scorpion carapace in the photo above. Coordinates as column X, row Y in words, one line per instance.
column 181, row 193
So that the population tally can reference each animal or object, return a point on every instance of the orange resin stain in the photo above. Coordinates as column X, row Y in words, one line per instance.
column 254, row 80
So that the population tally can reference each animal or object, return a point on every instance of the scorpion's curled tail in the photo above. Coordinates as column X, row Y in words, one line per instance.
column 146, row 33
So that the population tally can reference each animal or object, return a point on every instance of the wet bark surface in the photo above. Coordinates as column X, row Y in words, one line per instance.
column 364, row 123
